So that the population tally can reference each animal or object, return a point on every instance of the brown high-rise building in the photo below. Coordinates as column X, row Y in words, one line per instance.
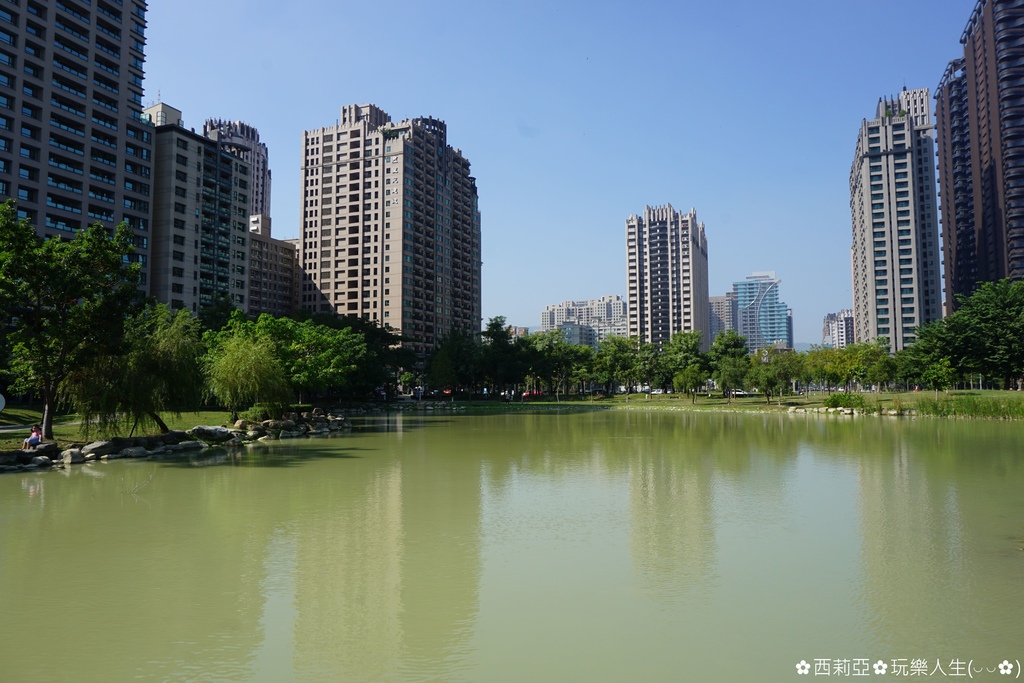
column 74, row 146
column 272, row 270
column 980, row 138
column 390, row 226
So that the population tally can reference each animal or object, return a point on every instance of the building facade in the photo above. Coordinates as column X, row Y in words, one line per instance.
column 837, row 329
column 243, row 141
column 272, row 262
column 721, row 314
column 200, row 240
column 667, row 275
column 605, row 316
column 760, row 316
column 578, row 334
column 980, row 139
column 895, row 250
column 74, row 147
column 272, row 271
column 390, row 226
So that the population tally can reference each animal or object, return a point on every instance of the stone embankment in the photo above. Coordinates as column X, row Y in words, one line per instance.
column 293, row 426
column 854, row 411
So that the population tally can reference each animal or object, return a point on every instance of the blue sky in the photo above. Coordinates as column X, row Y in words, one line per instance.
column 576, row 115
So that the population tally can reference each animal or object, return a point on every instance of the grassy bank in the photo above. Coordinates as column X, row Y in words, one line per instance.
column 967, row 404
column 1005, row 405
column 66, row 428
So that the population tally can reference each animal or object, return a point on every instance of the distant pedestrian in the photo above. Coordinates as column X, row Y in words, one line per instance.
column 34, row 438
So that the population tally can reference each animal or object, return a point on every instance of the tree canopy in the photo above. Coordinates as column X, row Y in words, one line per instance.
column 68, row 298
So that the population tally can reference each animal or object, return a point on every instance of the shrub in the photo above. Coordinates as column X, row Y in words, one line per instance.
column 898, row 405
column 262, row 411
column 845, row 401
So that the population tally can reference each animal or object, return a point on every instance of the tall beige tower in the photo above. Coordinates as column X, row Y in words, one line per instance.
column 390, row 226
column 667, row 264
column 895, row 251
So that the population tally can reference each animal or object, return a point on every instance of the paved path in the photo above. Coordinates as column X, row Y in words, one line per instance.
column 27, row 428
column 15, row 428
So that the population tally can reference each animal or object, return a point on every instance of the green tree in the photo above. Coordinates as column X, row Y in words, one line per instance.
column 69, row 299
column 454, row 363
column 504, row 362
column 729, row 361
column 156, row 369
column 732, row 373
column 384, row 358
column 683, row 351
column 932, row 349
column 648, row 364
column 866, row 362
column 988, row 327
column 939, row 375
column 557, row 359
column 616, row 361
column 583, row 374
column 315, row 358
column 242, row 371
column 823, row 366
column 773, row 370
column 408, row 380
column 690, row 379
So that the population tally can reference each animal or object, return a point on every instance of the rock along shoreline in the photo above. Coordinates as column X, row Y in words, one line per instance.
column 294, row 426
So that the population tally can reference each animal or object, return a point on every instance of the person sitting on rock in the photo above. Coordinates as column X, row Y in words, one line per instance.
column 33, row 440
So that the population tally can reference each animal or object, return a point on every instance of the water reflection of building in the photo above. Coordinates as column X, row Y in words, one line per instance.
column 937, row 569
column 388, row 569
column 687, row 467
column 671, row 506
column 349, row 575
column 673, row 522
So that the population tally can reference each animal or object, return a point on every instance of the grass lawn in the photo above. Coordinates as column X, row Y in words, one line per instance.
column 981, row 404
column 67, row 430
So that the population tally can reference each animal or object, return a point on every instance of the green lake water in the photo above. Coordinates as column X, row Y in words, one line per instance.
column 593, row 546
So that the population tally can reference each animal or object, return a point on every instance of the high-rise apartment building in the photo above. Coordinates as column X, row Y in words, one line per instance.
column 578, row 334
column 667, row 267
column 722, row 314
column 760, row 316
column 895, row 251
column 837, row 329
column 272, row 262
column 390, row 225
column 243, row 141
column 200, row 240
column 605, row 316
column 272, row 270
column 74, row 148
column 981, row 151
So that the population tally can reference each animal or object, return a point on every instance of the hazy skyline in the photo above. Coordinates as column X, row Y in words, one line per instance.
column 576, row 115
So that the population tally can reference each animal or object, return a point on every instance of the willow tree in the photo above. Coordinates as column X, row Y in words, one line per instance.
column 242, row 371
column 156, row 369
